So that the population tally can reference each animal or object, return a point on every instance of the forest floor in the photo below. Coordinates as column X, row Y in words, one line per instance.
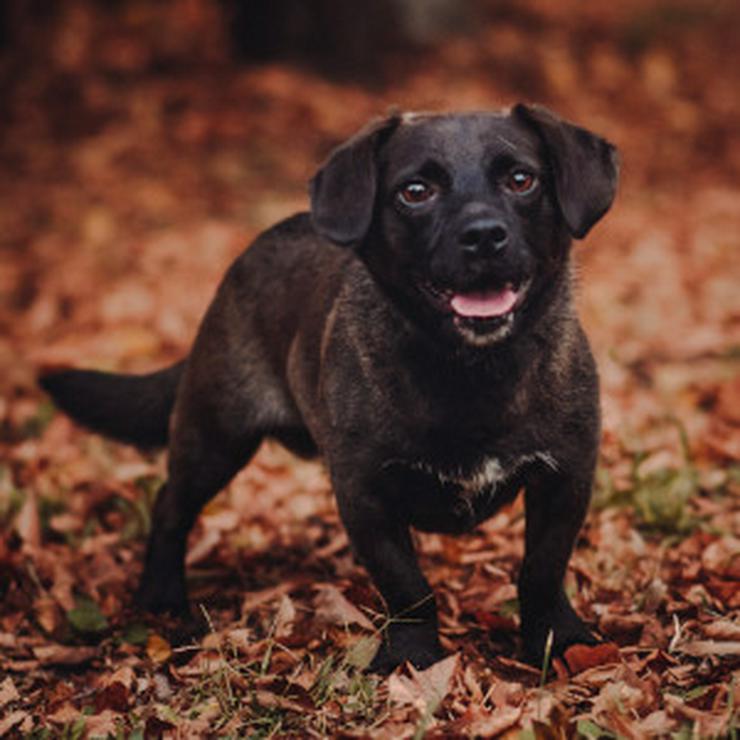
column 134, row 170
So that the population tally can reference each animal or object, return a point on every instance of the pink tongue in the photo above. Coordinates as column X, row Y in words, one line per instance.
column 484, row 304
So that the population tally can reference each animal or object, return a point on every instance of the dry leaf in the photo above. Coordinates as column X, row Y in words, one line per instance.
column 11, row 721
column 104, row 723
column 707, row 724
column 257, row 598
column 63, row 655
column 65, row 714
column 481, row 722
column 284, row 618
column 27, row 521
column 702, row 648
column 332, row 607
column 157, row 648
column 48, row 614
column 115, row 696
column 425, row 689
column 657, row 724
column 723, row 558
column 8, row 692
column 723, row 629
column 124, row 675
column 582, row 657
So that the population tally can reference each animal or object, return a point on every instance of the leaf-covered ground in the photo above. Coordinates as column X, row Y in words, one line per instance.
column 136, row 163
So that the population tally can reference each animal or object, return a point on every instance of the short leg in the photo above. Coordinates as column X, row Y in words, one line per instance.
column 200, row 465
column 382, row 543
column 556, row 507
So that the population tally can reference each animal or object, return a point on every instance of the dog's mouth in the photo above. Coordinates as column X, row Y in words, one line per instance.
column 482, row 314
column 481, row 304
column 485, row 304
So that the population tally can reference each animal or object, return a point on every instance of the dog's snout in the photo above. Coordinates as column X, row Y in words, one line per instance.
column 484, row 236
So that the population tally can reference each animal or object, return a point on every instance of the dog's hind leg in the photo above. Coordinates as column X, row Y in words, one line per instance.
column 201, row 463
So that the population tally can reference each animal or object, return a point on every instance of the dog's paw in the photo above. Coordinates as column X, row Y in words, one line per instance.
column 567, row 630
column 162, row 598
column 418, row 646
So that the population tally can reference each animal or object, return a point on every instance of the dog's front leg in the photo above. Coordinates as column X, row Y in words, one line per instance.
column 556, row 506
column 381, row 541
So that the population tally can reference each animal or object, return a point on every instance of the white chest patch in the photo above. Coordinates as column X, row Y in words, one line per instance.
column 488, row 475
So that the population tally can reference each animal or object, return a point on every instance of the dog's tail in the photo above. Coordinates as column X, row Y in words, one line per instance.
column 130, row 408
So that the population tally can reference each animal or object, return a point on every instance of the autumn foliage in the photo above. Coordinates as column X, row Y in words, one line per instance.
column 137, row 158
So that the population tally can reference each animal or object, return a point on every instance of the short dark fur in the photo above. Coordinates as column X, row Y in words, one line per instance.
column 425, row 419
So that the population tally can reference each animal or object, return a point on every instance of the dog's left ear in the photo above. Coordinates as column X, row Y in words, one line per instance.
column 585, row 167
column 343, row 190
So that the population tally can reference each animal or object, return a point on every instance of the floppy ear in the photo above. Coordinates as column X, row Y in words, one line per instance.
column 585, row 167
column 343, row 190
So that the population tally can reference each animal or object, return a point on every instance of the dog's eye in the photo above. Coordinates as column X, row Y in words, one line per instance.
column 521, row 181
column 416, row 192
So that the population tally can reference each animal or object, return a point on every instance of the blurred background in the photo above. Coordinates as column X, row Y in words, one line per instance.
column 144, row 144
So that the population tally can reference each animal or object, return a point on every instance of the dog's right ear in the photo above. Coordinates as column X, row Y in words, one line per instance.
column 343, row 190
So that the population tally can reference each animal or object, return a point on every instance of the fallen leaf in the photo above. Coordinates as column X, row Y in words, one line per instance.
column 256, row 598
column 723, row 629
column 65, row 714
column 268, row 699
column 425, row 689
column 47, row 613
column 657, row 724
column 582, row 657
column 11, row 721
column 361, row 653
column 707, row 723
column 124, row 675
column 332, row 607
column 162, row 687
column 702, row 648
column 483, row 722
column 114, row 696
column 8, row 692
column 278, row 692
column 104, row 724
column 63, row 655
column 723, row 558
column 402, row 690
column 285, row 617
column 27, row 522
column 157, row 648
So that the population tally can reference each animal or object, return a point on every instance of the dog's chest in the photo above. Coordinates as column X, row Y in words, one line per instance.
column 488, row 474
column 453, row 500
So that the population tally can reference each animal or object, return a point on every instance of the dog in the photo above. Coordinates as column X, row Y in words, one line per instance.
column 416, row 329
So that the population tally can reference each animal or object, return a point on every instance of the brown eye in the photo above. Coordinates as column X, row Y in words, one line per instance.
column 521, row 181
column 415, row 193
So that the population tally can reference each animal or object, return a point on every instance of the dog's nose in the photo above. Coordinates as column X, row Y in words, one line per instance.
column 484, row 236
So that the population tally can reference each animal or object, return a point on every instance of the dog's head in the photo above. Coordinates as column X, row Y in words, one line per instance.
column 466, row 219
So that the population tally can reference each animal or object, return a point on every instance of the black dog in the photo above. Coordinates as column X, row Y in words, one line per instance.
column 417, row 329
